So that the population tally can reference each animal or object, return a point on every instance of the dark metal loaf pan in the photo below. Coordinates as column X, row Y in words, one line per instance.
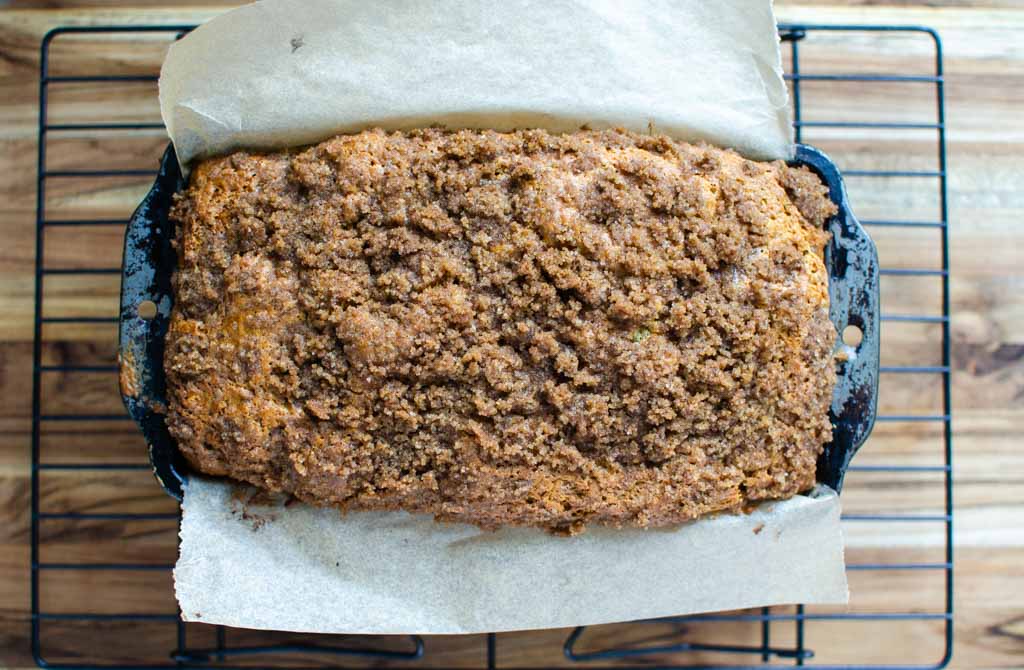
column 149, row 262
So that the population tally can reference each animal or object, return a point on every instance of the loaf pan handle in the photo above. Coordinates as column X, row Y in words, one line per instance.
column 146, row 299
column 852, row 261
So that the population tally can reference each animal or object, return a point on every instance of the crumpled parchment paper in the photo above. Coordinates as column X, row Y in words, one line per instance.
column 302, row 568
column 289, row 72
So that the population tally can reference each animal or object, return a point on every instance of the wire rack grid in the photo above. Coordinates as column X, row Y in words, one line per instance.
column 120, row 637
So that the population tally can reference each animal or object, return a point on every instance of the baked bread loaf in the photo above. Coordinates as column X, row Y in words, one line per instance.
column 504, row 328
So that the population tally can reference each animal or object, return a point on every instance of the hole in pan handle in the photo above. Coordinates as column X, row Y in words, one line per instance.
column 146, row 299
column 852, row 262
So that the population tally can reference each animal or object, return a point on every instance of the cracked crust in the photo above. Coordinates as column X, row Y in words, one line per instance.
column 504, row 328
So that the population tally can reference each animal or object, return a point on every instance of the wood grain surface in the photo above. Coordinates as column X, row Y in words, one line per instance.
column 984, row 49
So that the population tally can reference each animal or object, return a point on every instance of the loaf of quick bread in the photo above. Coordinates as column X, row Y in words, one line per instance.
column 517, row 328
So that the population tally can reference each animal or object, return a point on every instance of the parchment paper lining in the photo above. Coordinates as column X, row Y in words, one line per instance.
column 292, row 72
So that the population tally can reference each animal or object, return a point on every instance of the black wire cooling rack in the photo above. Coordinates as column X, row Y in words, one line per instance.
column 72, row 438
